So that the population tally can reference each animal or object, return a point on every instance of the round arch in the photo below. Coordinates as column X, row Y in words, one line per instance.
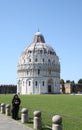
column 50, row 85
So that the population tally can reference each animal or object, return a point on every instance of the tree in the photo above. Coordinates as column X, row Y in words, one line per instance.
column 80, row 81
column 61, row 81
column 72, row 82
column 63, row 86
column 73, row 87
column 68, row 81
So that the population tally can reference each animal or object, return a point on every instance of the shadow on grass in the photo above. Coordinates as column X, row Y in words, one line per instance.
column 46, row 128
column 30, row 124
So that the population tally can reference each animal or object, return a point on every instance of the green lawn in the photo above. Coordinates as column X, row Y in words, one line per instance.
column 68, row 106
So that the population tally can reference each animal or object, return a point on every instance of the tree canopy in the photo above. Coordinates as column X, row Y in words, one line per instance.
column 80, row 81
column 61, row 81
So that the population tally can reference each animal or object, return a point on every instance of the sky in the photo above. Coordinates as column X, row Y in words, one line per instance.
column 60, row 21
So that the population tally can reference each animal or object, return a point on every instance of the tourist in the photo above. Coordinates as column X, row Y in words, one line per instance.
column 15, row 106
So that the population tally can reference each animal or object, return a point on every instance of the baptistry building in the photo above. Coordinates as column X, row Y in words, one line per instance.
column 38, row 68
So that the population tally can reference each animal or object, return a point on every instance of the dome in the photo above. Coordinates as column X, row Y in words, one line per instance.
column 38, row 46
column 38, row 69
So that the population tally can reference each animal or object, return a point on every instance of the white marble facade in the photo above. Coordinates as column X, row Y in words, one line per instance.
column 38, row 69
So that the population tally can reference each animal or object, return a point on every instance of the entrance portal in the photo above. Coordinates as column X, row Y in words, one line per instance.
column 49, row 89
column 50, row 86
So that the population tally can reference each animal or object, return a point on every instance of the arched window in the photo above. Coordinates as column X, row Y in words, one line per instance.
column 49, row 71
column 24, row 60
column 29, row 60
column 48, row 60
column 29, row 83
column 23, row 83
column 43, row 60
column 36, row 60
column 43, row 83
column 27, row 72
column 36, row 83
column 38, row 71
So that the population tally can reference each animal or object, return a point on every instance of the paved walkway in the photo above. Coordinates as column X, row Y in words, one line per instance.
column 6, row 123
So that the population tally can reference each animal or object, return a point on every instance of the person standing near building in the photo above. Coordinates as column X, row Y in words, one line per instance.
column 15, row 106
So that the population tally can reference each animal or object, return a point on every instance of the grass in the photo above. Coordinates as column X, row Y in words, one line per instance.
column 68, row 106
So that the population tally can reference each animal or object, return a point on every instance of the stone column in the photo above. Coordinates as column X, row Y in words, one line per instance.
column 24, row 115
column 37, row 120
column 57, row 122
column 2, row 108
column 8, row 110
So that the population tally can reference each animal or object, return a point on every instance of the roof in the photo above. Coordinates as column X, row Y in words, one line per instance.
column 38, row 44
